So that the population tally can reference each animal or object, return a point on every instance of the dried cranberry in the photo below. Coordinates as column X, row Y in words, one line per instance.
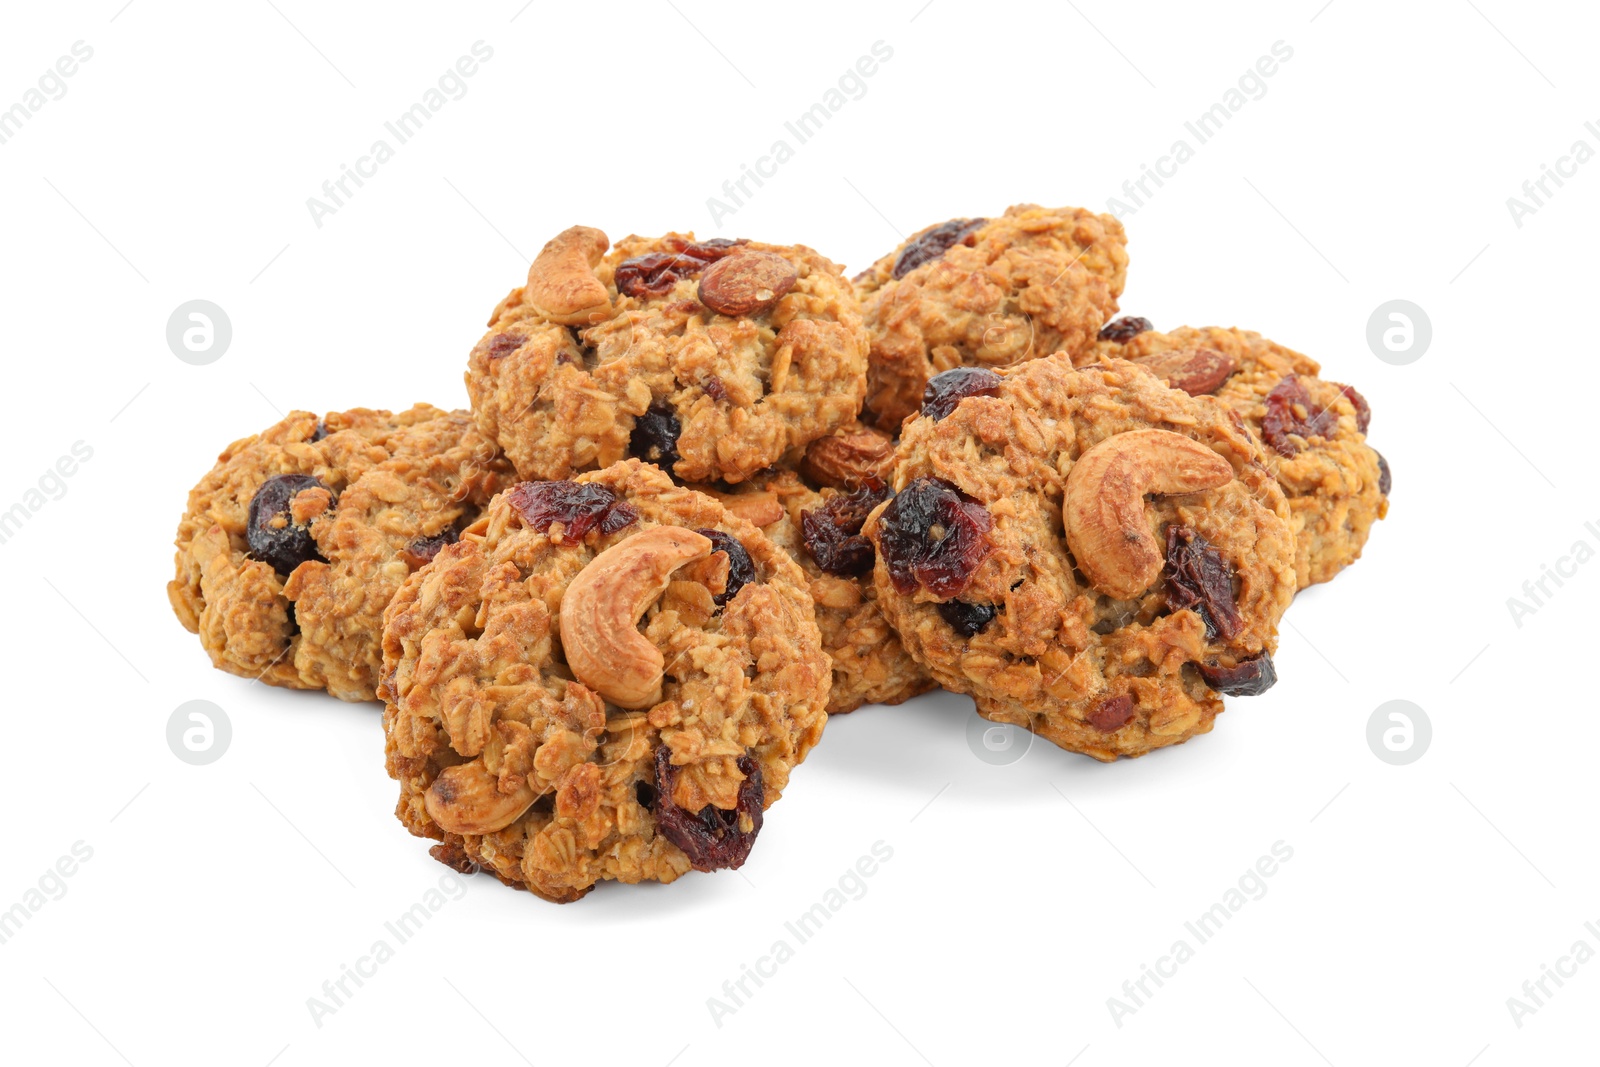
column 274, row 536
column 833, row 531
column 967, row 619
column 949, row 388
column 655, row 273
column 420, row 552
column 578, row 507
column 935, row 243
column 1111, row 714
column 1363, row 409
column 714, row 388
column 1247, row 678
column 1290, row 413
column 741, row 570
column 655, row 437
column 710, row 837
column 503, row 344
column 1385, row 478
column 1124, row 329
column 1199, row 578
column 935, row 536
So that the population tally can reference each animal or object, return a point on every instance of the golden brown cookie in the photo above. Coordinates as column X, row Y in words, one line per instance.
column 1314, row 430
column 712, row 358
column 605, row 678
column 1088, row 553
column 988, row 293
column 294, row 542
column 815, row 514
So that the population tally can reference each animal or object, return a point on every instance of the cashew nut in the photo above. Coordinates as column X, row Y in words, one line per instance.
column 562, row 285
column 1104, row 509
column 601, row 608
column 466, row 799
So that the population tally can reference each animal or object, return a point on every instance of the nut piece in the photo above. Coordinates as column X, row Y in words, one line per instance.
column 562, row 285
column 745, row 283
column 847, row 459
column 1108, row 529
column 758, row 508
column 601, row 608
column 466, row 799
column 1197, row 371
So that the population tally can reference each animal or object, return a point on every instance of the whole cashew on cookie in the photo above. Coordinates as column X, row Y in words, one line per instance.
column 562, row 285
column 601, row 608
column 466, row 799
column 1108, row 528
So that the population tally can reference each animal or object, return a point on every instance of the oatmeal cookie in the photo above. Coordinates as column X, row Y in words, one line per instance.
column 711, row 358
column 815, row 514
column 294, row 542
column 1088, row 553
column 987, row 292
column 605, row 678
column 1314, row 430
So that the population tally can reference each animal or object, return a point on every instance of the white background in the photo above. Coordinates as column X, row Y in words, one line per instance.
column 1019, row 897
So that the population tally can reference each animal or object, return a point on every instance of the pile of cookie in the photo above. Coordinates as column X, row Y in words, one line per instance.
column 711, row 492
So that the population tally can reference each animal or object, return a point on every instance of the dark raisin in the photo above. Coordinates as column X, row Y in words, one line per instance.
column 710, row 837
column 833, row 531
column 1111, row 714
column 966, row 619
column 503, row 344
column 321, row 431
column 273, row 535
column 655, row 273
column 1247, row 678
column 578, row 507
column 1199, row 578
column 1124, row 329
column 655, row 437
column 935, row 536
column 1290, row 414
column 420, row 552
column 935, row 243
column 645, row 794
column 1385, row 478
column 1363, row 409
column 741, row 570
column 948, row 388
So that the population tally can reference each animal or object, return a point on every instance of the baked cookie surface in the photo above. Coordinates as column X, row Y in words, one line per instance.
column 989, row 293
column 605, row 678
column 815, row 513
column 712, row 358
column 1314, row 430
column 1091, row 555
column 292, row 545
